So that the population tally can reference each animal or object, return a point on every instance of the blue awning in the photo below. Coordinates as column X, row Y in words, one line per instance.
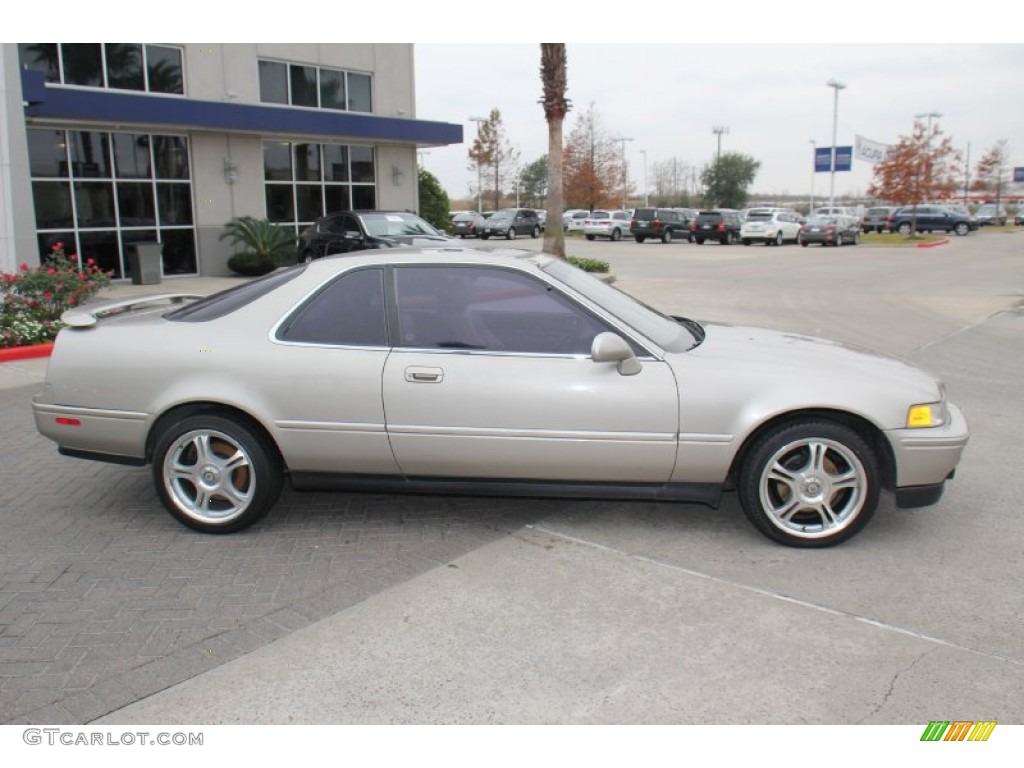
column 127, row 108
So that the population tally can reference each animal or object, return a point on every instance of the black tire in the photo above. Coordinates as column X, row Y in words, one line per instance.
column 666, row 236
column 730, row 238
column 639, row 238
column 745, row 241
column 839, row 240
column 484, row 237
column 699, row 240
column 590, row 237
column 856, row 239
column 778, row 239
column 215, row 474
column 536, row 233
column 616, row 235
column 809, row 483
column 804, row 243
column 904, row 228
column 961, row 229
column 511, row 234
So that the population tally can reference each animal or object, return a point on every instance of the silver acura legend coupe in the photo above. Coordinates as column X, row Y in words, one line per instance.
column 456, row 371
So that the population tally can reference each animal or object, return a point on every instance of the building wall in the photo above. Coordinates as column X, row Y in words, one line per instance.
column 17, row 217
column 222, row 72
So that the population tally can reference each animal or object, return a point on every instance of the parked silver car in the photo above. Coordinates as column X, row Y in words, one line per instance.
column 455, row 370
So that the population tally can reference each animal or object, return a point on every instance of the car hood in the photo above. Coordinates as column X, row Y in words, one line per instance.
column 740, row 376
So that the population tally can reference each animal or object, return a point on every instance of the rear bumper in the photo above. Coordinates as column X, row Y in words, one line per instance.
column 92, row 432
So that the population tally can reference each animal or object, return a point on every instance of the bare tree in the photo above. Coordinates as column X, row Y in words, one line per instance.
column 553, row 76
column 492, row 152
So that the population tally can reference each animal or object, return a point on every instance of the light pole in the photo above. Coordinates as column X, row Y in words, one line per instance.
column 928, row 150
column 625, row 177
column 814, row 160
column 647, row 198
column 837, row 87
column 479, row 168
column 718, row 130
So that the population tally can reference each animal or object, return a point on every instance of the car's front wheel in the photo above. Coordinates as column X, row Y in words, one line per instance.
column 961, row 229
column 215, row 474
column 536, row 232
column 639, row 238
column 666, row 237
column 511, row 234
column 903, row 229
column 778, row 238
column 809, row 483
column 616, row 235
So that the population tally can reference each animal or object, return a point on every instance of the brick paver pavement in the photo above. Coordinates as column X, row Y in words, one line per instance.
column 105, row 599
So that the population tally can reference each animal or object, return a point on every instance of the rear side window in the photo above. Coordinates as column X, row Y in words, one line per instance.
column 349, row 312
column 225, row 302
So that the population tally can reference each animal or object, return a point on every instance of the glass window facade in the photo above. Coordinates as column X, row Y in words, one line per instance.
column 124, row 66
column 302, row 85
column 303, row 181
column 99, row 192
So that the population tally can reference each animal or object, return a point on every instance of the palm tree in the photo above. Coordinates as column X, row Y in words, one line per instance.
column 553, row 76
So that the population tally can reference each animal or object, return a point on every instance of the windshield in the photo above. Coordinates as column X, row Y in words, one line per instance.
column 396, row 224
column 662, row 330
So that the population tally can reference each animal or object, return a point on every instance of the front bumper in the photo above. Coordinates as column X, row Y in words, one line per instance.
column 926, row 458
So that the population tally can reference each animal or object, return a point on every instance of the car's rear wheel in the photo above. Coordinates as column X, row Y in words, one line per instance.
column 306, row 257
column 215, row 474
column 484, row 237
column 699, row 240
column 638, row 238
column 804, row 243
column 856, row 238
column 904, row 229
column 730, row 238
column 809, row 483
column 511, row 234
column 961, row 229
column 590, row 237
column 778, row 239
column 745, row 241
column 616, row 235
column 839, row 240
column 536, row 232
column 666, row 236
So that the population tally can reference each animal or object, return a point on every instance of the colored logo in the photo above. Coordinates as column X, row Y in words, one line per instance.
column 958, row 730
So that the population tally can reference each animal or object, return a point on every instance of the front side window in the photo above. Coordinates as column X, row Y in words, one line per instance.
column 489, row 309
column 348, row 312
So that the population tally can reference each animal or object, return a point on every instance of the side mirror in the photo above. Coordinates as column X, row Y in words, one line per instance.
column 612, row 348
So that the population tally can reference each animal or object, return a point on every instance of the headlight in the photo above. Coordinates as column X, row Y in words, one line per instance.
column 927, row 415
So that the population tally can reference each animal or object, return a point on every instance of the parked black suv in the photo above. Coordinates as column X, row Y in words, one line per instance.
column 930, row 218
column 663, row 224
column 721, row 225
column 509, row 222
column 346, row 231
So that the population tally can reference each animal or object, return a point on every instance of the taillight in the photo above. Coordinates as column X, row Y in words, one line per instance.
column 721, row 227
column 693, row 225
column 657, row 223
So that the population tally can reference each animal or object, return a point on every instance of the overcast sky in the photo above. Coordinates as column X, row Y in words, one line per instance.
column 773, row 98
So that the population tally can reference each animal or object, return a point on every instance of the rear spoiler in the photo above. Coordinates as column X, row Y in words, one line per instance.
column 84, row 317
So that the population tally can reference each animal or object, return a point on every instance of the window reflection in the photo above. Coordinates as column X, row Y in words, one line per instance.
column 163, row 69
column 83, row 64
column 124, row 66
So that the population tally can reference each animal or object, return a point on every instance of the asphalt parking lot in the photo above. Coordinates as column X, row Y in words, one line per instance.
column 359, row 608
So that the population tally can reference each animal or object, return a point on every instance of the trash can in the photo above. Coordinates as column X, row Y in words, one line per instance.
column 145, row 259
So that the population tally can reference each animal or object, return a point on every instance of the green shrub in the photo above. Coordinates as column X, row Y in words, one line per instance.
column 252, row 264
column 273, row 244
column 589, row 265
column 33, row 299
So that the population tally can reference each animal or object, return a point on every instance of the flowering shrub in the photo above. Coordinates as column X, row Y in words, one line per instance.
column 34, row 298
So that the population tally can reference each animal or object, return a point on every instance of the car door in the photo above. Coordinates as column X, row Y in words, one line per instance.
column 342, row 235
column 491, row 378
column 324, row 388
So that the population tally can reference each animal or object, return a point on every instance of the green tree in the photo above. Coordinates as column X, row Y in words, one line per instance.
column 727, row 180
column 533, row 181
column 434, row 202
column 492, row 155
column 554, row 81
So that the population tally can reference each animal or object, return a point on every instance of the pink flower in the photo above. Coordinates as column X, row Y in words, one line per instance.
column 24, row 267
column 57, row 247
column 51, row 271
column 90, row 261
column 81, row 277
column 73, row 257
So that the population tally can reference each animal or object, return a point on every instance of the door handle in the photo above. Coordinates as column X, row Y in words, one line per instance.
column 418, row 375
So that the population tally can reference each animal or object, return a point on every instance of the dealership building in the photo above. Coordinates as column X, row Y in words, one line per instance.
column 107, row 145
